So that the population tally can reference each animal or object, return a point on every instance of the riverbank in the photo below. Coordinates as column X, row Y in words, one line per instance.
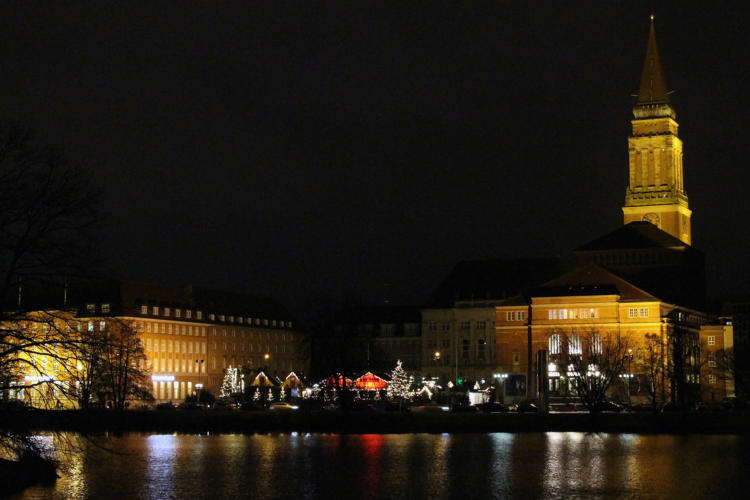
column 202, row 421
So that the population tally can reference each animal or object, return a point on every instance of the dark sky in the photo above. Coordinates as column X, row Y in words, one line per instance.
column 325, row 150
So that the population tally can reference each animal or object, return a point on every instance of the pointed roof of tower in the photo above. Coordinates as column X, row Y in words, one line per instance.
column 653, row 84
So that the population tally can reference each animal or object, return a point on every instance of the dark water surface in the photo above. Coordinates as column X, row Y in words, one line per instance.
column 470, row 466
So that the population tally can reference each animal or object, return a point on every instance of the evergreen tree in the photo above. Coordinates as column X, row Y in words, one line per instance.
column 399, row 387
column 229, row 384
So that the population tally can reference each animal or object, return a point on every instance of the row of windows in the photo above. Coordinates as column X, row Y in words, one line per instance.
column 166, row 311
column 174, row 346
column 170, row 329
column 587, row 313
column 574, row 344
column 635, row 312
column 463, row 325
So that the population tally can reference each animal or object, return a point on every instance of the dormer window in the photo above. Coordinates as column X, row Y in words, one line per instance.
column 188, row 313
column 155, row 310
column 212, row 317
column 177, row 313
column 144, row 309
column 105, row 308
column 91, row 308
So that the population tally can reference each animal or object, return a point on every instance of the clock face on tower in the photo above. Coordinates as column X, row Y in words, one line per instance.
column 652, row 218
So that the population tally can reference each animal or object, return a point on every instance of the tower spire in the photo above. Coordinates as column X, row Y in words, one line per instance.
column 653, row 85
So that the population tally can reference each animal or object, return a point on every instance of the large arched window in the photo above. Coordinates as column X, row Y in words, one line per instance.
column 596, row 344
column 574, row 344
column 555, row 346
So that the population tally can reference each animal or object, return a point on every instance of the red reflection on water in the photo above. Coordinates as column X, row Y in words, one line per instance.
column 372, row 449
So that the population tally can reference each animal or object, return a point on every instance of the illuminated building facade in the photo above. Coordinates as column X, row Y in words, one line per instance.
column 190, row 335
column 643, row 282
column 717, row 381
column 656, row 191
column 587, row 301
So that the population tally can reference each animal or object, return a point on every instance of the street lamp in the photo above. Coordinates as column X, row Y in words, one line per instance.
column 436, row 356
column 199, row 386
column 629, row 357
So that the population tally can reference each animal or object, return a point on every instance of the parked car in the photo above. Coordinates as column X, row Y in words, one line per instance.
column 526, row 406
column 282, row 406
column 492, row 407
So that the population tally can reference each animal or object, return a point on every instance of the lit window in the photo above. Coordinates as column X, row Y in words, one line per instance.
column 155, row 310
column 211, row 317
column 552, row 314
column 574, row 344
column 712, row 379
column 188, row 313
column 166, row 311
column 199, row 314
column 105, row 308
column 144, row 309
column 596, row 344
column 563, row 314
column 102, row 326
column 711, row 340
column 177, row 313
column 711, row 360
column 91, row 326
column 91, row 308
column 633, row 312
column 221, row 318
column 554, row 344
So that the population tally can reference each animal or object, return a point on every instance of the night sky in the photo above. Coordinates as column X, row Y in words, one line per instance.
column 316, row 150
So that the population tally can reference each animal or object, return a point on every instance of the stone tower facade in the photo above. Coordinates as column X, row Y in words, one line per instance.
column 656, row 191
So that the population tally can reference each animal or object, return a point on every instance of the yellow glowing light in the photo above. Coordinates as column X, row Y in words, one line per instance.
column 652, row 17
column 80, row 367
column 266, row 356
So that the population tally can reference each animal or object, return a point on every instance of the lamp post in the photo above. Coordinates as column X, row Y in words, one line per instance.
column 630, row 375
column 199, row 386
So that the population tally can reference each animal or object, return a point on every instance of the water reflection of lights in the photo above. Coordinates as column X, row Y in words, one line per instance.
column 161, row 449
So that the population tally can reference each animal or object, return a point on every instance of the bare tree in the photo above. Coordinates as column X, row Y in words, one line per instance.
column 124, row 368
column 656, row 369
column 591, row 362
column 47, row 216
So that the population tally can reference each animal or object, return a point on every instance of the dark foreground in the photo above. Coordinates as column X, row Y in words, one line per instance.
column 201, row 421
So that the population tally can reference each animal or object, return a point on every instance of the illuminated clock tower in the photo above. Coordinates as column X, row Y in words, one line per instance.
column 656, row 192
